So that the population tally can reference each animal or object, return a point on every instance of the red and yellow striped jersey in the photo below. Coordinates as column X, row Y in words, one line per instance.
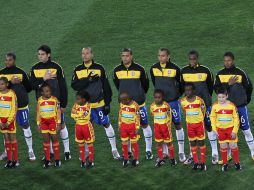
column 8, row 106
column 81, row 114
column 224, row 116
column 48, row 108
column 129, row 114
column 194, row 111
column 161, row 114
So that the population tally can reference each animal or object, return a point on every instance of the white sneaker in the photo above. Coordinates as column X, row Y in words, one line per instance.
column 215, row 159
column 31, row 156
column 182, row 157
column 189, row 160
column 116, row 155
column 3, row 156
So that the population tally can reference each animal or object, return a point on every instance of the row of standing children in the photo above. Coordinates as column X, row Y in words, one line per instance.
column 224, row 119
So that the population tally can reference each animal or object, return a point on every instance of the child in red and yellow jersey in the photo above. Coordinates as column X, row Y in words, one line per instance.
column 162, row 118
column 194, row 108
column 225, row 122
column 8, row 110
column 129, row 123
column 81, row 113
column 48, row 121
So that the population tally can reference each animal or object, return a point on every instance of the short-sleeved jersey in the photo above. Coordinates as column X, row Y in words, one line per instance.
column 129, row 114
column 161, row 114
column 193, row 110
column 8, row 106
column 224, row 116
column 48, row 108
column 81, row 114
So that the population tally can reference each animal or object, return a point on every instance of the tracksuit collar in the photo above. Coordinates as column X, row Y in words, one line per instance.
column 198, row 65
column 231, row 68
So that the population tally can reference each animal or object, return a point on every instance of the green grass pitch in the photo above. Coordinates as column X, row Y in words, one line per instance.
column 212, row 27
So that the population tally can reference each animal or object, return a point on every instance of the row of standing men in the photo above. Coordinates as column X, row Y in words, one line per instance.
column 132, row 78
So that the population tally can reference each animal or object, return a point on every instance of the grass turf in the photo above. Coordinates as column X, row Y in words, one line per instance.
column 212, row 27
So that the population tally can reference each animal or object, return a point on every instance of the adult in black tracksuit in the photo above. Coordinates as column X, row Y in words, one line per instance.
column 239, row 92
column 166, row 76
column 131, row 77
column 91, row 77
column 19, row 83
column 202, row 78
column 52, row 73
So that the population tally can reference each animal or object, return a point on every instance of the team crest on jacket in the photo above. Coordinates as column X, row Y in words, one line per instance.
column 133, row 73
column 169, row 72
column 200, row 76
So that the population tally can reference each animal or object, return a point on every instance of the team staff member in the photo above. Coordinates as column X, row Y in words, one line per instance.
column 91, row 77
column 166, row 76
column 239, row 89
column 51, row 72
column 19, row 83
column 131, row 77
column 202, row 79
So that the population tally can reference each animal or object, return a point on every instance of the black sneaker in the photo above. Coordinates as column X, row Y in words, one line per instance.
column 57, row 163
column 173, row 162
column 90, row 164
column 238, row 166
column 15, row 164
column 149, row 155
column 46, row 164
column 195, row 166
column 135, row 163
column 202, row 167
column 8, row 164
column 67, row 156
column 125, row 163
column 83, row 164
column 224, row 167
column 159, row 163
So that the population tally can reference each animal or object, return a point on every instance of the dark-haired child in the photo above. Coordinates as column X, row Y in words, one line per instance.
column 162, row 117
column 49, row 120
column 84, row 132
column 195, row 109
column 8, row 110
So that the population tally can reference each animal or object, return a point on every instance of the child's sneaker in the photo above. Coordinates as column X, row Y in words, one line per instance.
column 224, row 167
column 83, row 164
column 238, row 166
column 8, row 164
column 46, row 164
column 195, row 166
column 15, row 164
column 90, row 164
column 135, row 163
column 203, row 167
column 159, row 163
column 57, row 163
column 125, row 163
column 173, row 162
